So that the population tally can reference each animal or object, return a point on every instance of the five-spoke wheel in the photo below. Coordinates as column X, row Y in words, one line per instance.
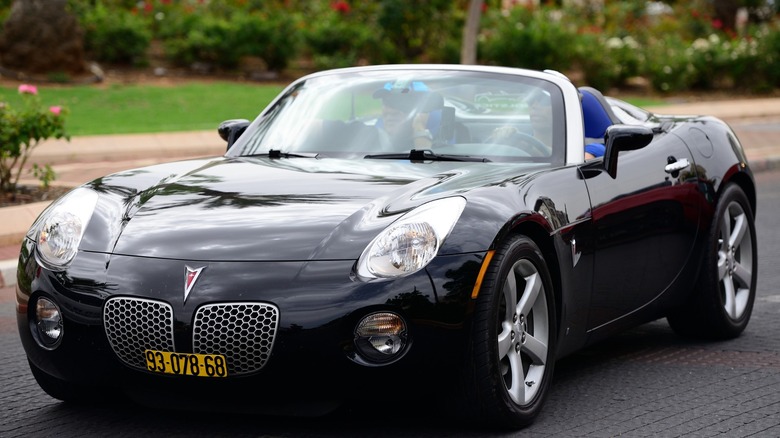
column 722, row 302
column 512, row 351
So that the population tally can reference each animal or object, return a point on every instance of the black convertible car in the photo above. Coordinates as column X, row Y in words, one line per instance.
column 391, row 232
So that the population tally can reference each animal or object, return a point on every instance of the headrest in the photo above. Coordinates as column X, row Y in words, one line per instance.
column 595, row 117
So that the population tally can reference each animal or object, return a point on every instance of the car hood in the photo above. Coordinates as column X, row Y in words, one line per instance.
column 264, row 209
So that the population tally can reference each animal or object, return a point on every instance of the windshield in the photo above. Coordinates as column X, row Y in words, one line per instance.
column 381, row 114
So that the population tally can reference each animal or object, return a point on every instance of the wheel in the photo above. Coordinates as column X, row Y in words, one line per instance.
column 726, row 288
column 513, row 339
column 63, row 390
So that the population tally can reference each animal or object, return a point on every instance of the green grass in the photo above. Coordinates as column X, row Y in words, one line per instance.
column 121, row 109
column 643, row 102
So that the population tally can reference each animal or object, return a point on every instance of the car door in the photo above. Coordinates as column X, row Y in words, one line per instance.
column 645, row 225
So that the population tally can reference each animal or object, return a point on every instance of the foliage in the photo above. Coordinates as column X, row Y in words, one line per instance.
column 535, row 39
column 115, row 36
column 667, row 67
column 413, row 28
column 675, row 45
column 608, row 62
column 222, row 41
column 21, row 131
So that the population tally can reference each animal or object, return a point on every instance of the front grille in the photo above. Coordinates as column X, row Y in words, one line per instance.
column 243, row 332
column 134, row 325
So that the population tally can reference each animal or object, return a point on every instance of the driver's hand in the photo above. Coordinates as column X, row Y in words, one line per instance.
column 503, row 133
column 420, row 122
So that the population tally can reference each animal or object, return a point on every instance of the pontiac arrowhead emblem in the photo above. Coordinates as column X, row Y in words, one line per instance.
column 191, row 276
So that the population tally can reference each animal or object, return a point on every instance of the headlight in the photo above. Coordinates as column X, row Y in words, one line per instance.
column 411, row 242
column 61, row 227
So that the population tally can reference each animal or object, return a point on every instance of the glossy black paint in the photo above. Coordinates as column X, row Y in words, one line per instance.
column 623, row 248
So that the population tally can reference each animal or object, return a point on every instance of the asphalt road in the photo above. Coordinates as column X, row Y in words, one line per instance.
column 644, row 382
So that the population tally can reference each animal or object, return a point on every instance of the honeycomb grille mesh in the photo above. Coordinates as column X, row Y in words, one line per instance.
column 134, row 325
column 243, row 332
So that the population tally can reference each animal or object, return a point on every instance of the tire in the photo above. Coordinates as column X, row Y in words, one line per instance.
column 63, row 390
column 723, row 298
column 512, row 347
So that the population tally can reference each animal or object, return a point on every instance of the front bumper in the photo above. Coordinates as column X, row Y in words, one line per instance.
column 312, row 358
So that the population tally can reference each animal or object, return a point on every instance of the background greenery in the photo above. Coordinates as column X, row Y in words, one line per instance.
column 675, row 45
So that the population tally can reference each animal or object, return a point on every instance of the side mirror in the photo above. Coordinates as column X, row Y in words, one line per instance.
column 230, row 130
column 623, row 138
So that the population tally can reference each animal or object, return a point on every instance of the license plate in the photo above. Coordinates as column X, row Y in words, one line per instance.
column 186, row 364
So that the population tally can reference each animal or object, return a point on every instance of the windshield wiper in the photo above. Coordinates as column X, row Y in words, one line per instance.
column 426, row 155
column 276, row 153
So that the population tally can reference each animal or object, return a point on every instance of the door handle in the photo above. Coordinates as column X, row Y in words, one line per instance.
column 677, row 165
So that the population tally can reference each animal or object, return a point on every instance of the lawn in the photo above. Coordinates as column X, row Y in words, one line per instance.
column 119, row 109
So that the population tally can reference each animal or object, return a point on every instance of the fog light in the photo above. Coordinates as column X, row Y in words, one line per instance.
column 381, row 337
column 48, row 323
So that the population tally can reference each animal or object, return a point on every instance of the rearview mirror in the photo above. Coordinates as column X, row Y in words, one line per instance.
column 231, row 130
column 623, row 138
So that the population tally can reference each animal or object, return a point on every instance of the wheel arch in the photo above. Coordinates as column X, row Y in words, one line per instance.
column 542, row 238
column 746, row 183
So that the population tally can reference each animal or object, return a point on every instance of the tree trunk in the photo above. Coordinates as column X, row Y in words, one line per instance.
column 40, row 36
column 726, row 12
column 468, row 51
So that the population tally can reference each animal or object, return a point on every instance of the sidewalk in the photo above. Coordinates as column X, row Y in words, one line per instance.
column 756, row 122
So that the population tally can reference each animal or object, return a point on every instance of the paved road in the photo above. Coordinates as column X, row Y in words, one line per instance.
column 644, row 382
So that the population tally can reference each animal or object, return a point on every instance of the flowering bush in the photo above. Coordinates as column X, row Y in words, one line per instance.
column 21, row 131
column 608, row 62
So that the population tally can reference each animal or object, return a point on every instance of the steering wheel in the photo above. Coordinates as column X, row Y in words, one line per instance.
column 530, row 144
column 517, row 139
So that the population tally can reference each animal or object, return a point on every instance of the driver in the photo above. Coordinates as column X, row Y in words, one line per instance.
column 407, row 108
column 541, row 124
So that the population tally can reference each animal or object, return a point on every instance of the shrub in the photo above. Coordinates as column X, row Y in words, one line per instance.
column 770, row 55
column 529, row 39
column 608, row 62
column 335, row 41
column 21, row 131
column 204, row 38
column 115, row 35
column 668, row 67
column 222, row 42
column 271, row 36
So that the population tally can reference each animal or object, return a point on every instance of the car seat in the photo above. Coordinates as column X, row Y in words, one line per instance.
column 597, row 116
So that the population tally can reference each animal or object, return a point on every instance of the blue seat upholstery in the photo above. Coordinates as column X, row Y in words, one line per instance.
column 595, row 117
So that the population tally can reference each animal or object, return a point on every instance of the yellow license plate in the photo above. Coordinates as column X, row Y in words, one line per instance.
column 186, row 364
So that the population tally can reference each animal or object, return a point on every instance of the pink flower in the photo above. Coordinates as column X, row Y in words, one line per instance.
column 56, row 110
column 28, row 89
